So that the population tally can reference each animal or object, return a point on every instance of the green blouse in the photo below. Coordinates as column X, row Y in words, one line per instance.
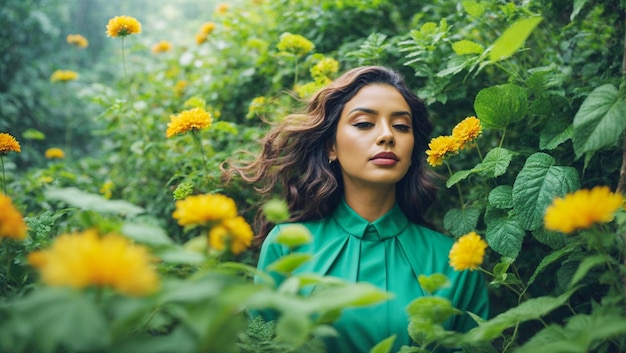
column 390, row 253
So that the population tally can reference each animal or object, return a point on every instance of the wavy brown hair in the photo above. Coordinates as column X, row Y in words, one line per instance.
column 294, row 154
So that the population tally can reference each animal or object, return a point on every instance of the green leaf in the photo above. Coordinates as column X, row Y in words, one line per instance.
column 92, row 202
column 530, row 309
column 33, row 134
column 293, row 328
column 180, row 256
column 555, row 240
column 578, row 5
column 501, row 105
column 501, row 197
column 537, row 184
column 587, row 264
column 600, row 120
column 146, row 233
column 458, row 176
column 288, row 263
column 473, row 8
column 496, row 162
column 294, row 235
column 340, row 297
column 461, row 221
column 505, row 236
column 431, row 309
column 550, row 137
column 63, row 319
column 467, row 47
column 434, row 282
column 550, row 259
column 513, row 38
column 384, row 346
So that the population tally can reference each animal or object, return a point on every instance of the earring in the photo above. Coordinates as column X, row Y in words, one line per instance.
column 330, row 160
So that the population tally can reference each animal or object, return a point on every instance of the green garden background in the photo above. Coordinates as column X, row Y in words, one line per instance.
column 545, row 78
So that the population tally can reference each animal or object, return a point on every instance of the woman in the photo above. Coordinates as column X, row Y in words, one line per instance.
column 353, row 171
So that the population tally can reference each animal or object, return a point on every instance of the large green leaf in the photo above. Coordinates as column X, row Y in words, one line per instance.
column 288, row 263
column 587, row 264
column 600, row 120
column 537, row 184
column 496, row 162
column 146, row 233
column 505, row 236
column 501, row 105
column 550, row 259
column 501, row 197
column 461, row 221
column 384, row 346
column 92, row 202
column 513, row 38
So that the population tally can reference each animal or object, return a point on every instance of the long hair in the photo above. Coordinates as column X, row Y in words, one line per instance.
column 294, row 154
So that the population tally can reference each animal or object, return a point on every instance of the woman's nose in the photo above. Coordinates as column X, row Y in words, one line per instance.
column 385, row 135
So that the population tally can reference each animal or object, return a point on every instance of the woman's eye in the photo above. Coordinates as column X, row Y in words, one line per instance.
column 363, row 125
column 402, row 127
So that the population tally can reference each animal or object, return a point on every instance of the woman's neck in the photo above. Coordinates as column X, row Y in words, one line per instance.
column 371, row 204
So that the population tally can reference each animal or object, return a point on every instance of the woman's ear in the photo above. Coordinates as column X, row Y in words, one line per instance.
column 331, row 150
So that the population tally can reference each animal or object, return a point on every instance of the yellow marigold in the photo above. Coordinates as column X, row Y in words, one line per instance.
column 106, row 189
column 325, row 68
column 63, row 76
column 221, row 8
column 439, row 147
column 77, row 40
column 467, row 252
column 234, row 232
column 207, row 28
column 161, row 47
column 85, row 259
column 11, row 221
column 196, row 118
column 581, row 209
column 8, row 143
column 467, row 130
column 200, row 209
column 201, row 38
column 54, row 152
column 294, row 44
column 179, row 87
column 121, row 26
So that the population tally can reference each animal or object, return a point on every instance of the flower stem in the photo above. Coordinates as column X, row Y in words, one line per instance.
column 4, row 176
column 130, row 96
column 458, row 187
column 196, row 139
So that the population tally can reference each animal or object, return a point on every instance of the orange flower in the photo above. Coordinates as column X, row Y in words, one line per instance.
column 467, row 130
column 8, row 143
column 11, row 221
column 440, row 147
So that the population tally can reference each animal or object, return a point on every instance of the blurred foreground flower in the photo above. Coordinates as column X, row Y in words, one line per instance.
column 52, row 153
column 77, row 40
column 122, row 26
column 467, row 130
column 468, row 252
column 581, row 209
column 234, row 233
column 12, row 223
column 294, row 44
column 440, row 147
column 196, row 118
column 201, row 209
column 8, row 143
column 85, row 259
column 63, row 76
column 161, row 47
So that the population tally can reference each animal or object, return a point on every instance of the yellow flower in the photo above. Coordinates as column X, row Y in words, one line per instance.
column 221, row 8
column 45, row 179
column 325, row 68
column 294, row 44
column 581, row 209
column 77, row 40
column 201, row 38
column 161, row 47
column 54, row 153
column 84, row 259
column 307, row 89
column 200, row 209
column 8, row 143
column 106, row 188
column 63, row 76
column 439, row 147
column 207, row 28
column 235, row 232
column 467, row 130
column 12, row 223
column 179, row 87
column 196, row 118
column 467, row 252
column 121, row 26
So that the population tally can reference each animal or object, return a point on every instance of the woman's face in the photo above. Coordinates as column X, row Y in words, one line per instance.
column 374, row 139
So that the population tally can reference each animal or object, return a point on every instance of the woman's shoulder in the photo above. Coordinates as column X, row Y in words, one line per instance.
column 427, row 235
